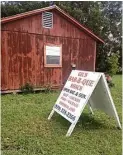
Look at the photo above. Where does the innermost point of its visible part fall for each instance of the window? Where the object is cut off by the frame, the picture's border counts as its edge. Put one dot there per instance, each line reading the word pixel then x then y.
pixel 52 55
pixel 47 19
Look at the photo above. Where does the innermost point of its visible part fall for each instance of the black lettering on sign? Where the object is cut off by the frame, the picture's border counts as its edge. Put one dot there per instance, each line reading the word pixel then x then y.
pixel 82 95
pixel 72 91
pixel 75 93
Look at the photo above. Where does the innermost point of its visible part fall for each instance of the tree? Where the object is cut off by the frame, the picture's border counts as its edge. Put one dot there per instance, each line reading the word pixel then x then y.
pixel 112 11
pixel 112 64
pixel 9 8
pixel 104 18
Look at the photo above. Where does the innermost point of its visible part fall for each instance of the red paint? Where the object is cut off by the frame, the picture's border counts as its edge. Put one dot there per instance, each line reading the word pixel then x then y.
pixel 23 42
pixel 52 8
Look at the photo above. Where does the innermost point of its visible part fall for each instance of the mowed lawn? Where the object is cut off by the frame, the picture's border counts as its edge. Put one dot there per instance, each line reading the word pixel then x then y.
pixel 26 130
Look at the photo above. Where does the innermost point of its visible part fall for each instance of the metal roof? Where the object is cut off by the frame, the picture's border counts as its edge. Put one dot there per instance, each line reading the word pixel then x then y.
pixel 54 7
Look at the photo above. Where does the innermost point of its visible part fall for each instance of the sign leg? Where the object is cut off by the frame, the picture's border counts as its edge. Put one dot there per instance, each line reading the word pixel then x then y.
pixel 70 130
pixel 51 114
pixel 113 106
pixel 89 105
pixel 91 110
pixel 117 121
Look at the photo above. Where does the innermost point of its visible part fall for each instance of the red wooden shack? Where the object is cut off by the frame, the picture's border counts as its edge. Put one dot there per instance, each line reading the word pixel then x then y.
pixel 42 46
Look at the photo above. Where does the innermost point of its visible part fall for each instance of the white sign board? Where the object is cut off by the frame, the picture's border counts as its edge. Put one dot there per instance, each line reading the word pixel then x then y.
pixel 75 94
pixel 80 90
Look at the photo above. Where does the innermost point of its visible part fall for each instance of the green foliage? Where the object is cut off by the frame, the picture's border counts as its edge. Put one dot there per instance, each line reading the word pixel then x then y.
pixel 26 130
pixel 109 80
pixel 112 64
pixel 111 84
pixel 27 88
pixel 9 8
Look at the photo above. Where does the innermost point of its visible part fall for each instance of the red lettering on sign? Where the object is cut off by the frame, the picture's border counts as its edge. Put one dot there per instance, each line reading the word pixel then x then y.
pixel 76 87
pixel 74 99
pixel 87 82
pixel 82 74
pixel 66 106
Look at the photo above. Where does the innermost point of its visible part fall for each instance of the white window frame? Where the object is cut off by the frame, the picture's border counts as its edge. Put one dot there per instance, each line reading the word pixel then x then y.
pixel 45 61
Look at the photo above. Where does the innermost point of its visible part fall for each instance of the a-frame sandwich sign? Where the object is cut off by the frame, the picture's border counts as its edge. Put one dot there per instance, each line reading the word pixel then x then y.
pixel 84 88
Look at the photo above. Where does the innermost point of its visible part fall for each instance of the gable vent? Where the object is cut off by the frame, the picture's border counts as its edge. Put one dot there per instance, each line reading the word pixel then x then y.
pixel 47 19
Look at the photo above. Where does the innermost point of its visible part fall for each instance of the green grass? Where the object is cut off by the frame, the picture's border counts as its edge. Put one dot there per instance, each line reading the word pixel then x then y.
pixel 26 130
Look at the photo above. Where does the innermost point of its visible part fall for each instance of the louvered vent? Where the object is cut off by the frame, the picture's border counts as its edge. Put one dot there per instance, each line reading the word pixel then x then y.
pixel 47 19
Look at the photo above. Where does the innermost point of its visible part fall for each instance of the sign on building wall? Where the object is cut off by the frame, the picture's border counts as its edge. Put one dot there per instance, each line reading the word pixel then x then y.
pixel 84 88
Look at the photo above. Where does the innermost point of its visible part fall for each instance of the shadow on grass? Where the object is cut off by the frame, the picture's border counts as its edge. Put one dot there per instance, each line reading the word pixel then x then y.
pixel 88 122
pixel 85 121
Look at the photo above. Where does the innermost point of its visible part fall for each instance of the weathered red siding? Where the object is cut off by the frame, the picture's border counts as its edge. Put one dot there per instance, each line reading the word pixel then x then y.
pixel 23 51
pixel 33 24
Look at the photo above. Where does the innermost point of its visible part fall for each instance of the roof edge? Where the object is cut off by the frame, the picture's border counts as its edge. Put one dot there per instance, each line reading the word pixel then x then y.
pixel 80 25
pixel 33 12
pixel 25 14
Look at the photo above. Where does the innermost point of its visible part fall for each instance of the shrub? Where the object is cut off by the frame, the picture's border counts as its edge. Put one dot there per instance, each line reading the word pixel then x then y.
pixel 109 80
pixel 112 64
pixel 27 88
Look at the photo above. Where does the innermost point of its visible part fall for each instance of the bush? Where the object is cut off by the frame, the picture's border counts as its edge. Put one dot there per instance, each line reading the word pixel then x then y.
pixel 109 80
pixel 27 88
pixel 112 64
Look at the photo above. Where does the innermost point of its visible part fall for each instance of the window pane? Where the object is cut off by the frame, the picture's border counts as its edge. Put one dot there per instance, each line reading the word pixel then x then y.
pixel 53 50
pixel 53 54
pixel 52 59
